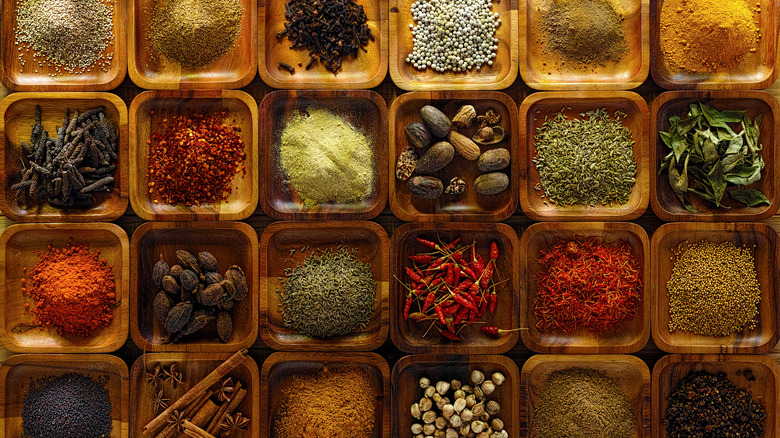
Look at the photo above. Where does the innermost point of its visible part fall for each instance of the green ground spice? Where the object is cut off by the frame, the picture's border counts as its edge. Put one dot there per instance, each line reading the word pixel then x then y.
pixel 325 158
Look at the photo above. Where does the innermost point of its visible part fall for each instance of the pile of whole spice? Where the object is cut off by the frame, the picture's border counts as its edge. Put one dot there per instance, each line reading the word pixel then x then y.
pixel 325 158
pixel 707 36
pixel 470 412
pixel 72 290
pixel 194 294
pixel 713 289
pixel 67 406
pixel 582 403
pixel 587 284
pixel 68 170
pixel 588 161
pixel 194 159
pixel 69 35
pixel 335 402
pixel 330 293
pixel 194 33
pixel 710 405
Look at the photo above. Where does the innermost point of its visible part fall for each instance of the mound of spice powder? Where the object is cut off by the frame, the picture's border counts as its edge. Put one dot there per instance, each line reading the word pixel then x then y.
pixel 587 284
pixel 72 288
pixel 194 160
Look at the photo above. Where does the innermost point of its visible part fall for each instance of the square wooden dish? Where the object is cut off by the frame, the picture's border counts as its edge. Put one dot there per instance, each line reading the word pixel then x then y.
pixel 533 111
pixel 469 206
pixel 150 110
pixel 280 249
pixel 19 244
pixel 631 337
pixel 279 368
pixel 763 239
pixel 18 372
pixel 35 77
pixel 670 369
pixel 676 103
pixel 235 69
pixel 194 367
pixel 231 243
pixel 363 109
pixel 408 371
pixel 367 70
pixel 500 75
pixel 17 115
pixel 757 70
pixel 544 71
pixel 630 371
pixel 407 335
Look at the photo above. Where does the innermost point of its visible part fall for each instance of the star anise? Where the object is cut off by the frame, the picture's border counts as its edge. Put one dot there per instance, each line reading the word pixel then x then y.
pixel 232 424
pixel 155 377
pixel 159 402
pixel 178 419
pixel 173 374
pixel 225 390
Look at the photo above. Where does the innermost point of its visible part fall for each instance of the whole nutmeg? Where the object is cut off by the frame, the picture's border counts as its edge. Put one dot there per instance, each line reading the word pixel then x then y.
pixel 497 378
pixel 417 428
pixel 441 423
pixel 492 407
pixel 459 405
pixel 477 426
pixel 442 387
pixel 497 424
pixel 464 116
pixel 459 394
pixel 425 382
pixel 478 409
pixel 455 385
pixel 456 421
pixel 471 400
pixel 416 413
pixel 429 417
pixel 477 377
pixel 435 120
pixel 429 391
pixel 425 404
pixel 417 135
pixel 467 415
pixel 429 429
pixel 447 410
pixel 488 387
pixel 450 433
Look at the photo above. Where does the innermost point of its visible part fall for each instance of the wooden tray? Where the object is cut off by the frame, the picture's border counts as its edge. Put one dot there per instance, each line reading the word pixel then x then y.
pixel 541 71
pixel 756 71
pixel 17 115
pixel 242 202
pixel 232 243
pixel 764 239
pixel 17 372
pixel 365 110
pixel 235 69
pixel 277 244
pixel 675 103
pixel 470 206
pixel 19 243
pixel 669 370
pixel 500 75
pixel 31 78
pixel 632 337
pixel 279 367
pixel 366 71
pixel 533 205
pixel 407 334
pixel 408 371
pixel 194 367
pixel 630 371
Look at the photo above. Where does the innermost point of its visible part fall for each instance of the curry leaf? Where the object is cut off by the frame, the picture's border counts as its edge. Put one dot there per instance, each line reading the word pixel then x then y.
pixel 749 197
pixel 717 181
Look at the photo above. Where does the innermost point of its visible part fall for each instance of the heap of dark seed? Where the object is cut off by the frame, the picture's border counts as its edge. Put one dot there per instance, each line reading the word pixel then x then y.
pixel 66 406
pixel 69 169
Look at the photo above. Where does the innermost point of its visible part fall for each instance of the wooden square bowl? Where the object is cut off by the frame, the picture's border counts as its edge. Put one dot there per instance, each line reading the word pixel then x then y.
pixel 194 367
pixel 630 371
pixel 631 337
pixel 500 75
pixel 17 115
pixel 670 369
pixel 19 244
pixel 469 206
pixel 280 249
pixel 533 111
pixel 280 368
pixel 148 112
pixel 763 239
pixel 363 109
pixel 235 69
pixel 676 103
pixel 757 70
pixel 543 70
pixel 408 371
pixel 18 372
pixel 407 335
pixel 231 243
pixel 367 70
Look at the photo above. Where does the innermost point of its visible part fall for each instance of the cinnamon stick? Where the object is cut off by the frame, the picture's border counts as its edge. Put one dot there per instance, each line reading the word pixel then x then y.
pixel 218 416
pixel 190 410
pixel 191 427
pixel 232 406
pixel 205 414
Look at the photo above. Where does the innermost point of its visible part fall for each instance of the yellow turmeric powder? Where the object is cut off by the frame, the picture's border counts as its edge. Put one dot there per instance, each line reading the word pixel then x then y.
pixel 707 36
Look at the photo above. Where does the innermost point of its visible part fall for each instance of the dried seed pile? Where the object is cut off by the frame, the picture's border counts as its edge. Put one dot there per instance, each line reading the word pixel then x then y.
pixel 70 35
pixel 67 406
pixel 713 289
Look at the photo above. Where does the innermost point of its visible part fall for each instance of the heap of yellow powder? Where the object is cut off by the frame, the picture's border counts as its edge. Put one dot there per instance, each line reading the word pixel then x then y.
pixel 707 36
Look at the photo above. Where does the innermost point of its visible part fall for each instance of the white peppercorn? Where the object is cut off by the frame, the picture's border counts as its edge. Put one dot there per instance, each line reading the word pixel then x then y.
pixel 459 404
pixel 478 409
pixel 492 407
pixel 429 417
pixel 425 404
pixel 425 382
pixel 416 413
pixel 438 433
pixel 447 410
pixel 441 423
pixel 430 391
pixel 471 400
pixel 483 434
pixel 478 391
pixel 442 387
pixel 467 389
pixel 455 385
pixel 488 387
pixel 497 378
pixel 467 415
pixel 497 424
pixel 451 433
pixel 465 429
pixel 417 428
pixel 429 429
pixel 442 401
pixel 477 426
pixel 458 394
pixel 477 377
